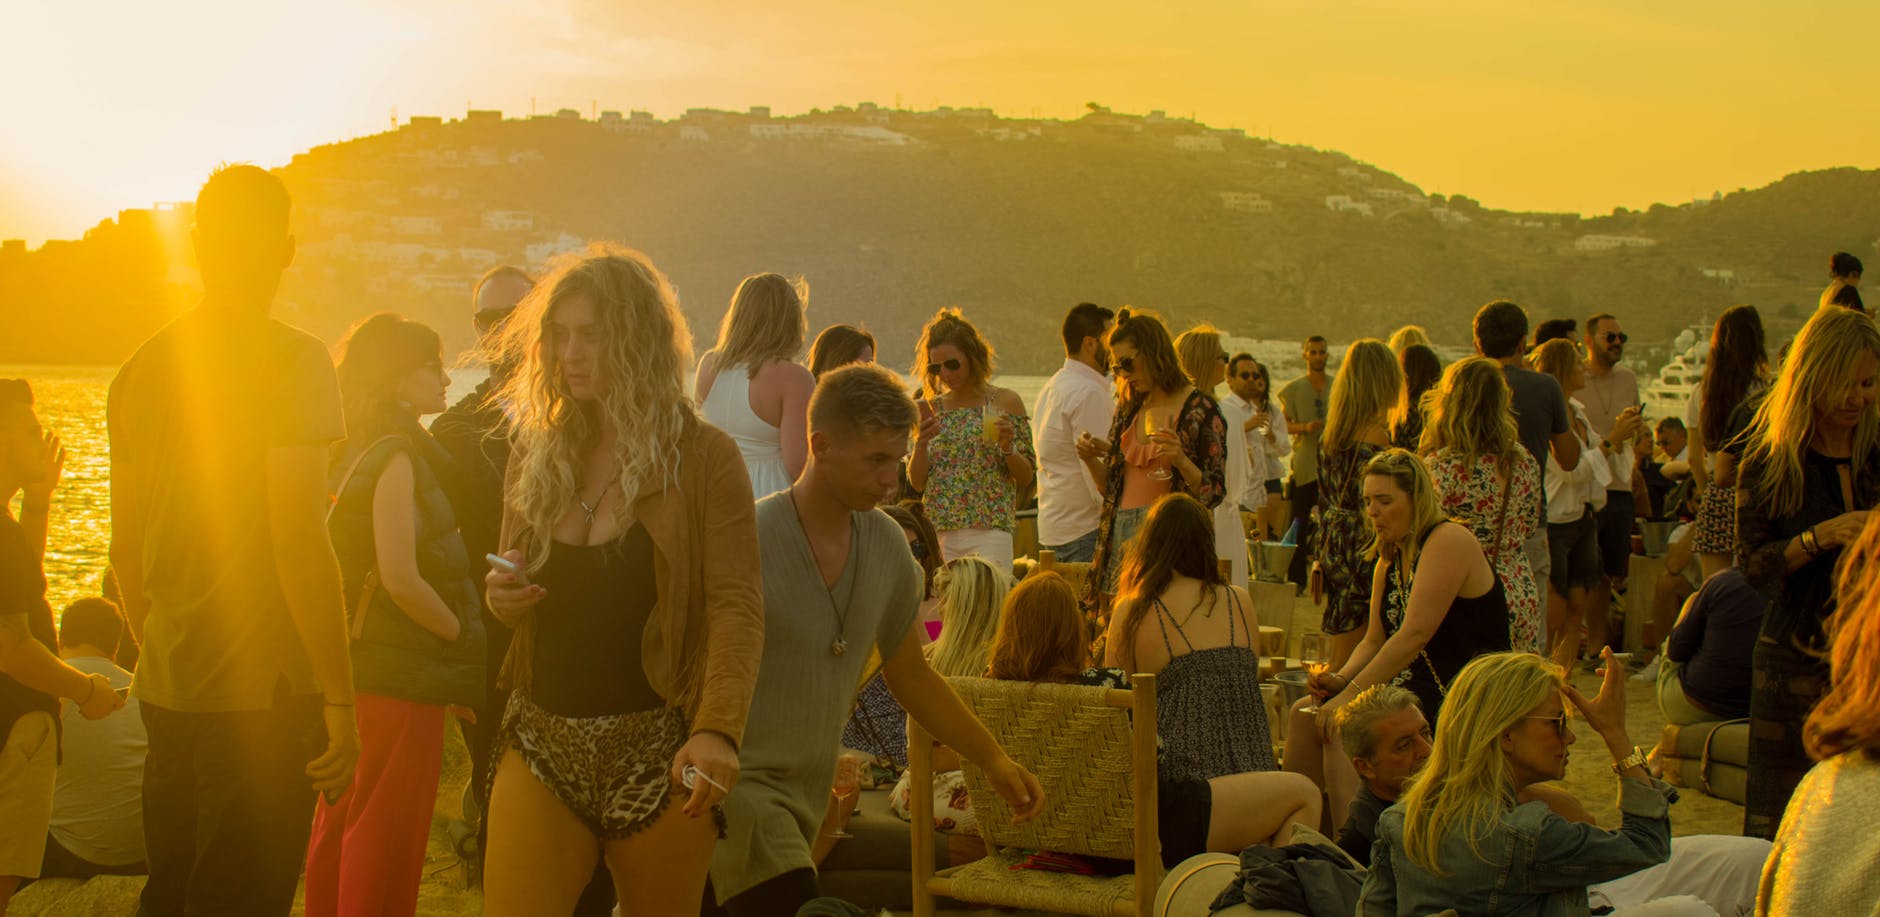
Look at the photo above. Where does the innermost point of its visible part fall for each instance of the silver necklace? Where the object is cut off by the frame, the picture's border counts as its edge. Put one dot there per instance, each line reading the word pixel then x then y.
pixel 840 644
pixel 598 498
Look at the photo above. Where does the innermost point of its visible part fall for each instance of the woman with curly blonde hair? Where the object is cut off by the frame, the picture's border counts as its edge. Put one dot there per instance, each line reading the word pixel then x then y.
pixel 1809 479
pixel 750 385
pixel 973 453
pixel 635 600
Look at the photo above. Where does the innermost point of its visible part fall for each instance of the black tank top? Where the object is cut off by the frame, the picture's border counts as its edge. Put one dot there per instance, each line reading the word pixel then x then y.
pixel 1472 626
pixel 588 628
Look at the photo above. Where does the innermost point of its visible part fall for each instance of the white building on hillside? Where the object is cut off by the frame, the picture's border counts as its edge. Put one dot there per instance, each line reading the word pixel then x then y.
pixel 1608 243
pixel 1200 143
pixel 1343 203
pixel 1245 201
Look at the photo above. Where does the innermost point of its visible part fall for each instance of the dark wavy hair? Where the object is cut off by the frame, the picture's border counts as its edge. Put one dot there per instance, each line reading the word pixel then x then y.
pixel 379 351
pixel 1145 332
pixel 1177 537
pixel 1738 360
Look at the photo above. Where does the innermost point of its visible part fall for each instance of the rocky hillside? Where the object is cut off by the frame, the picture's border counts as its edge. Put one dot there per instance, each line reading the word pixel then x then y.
pixel 892 214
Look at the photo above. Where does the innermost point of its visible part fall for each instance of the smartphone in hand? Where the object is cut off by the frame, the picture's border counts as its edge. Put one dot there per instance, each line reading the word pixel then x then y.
pixel 499 562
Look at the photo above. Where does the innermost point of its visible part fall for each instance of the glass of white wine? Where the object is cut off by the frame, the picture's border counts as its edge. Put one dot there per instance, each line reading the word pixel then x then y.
pixel 1155 425
pixel 1313 657
pixel 848 782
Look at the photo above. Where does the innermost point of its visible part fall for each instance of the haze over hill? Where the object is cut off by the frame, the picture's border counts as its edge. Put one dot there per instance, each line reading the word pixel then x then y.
pixel 892 214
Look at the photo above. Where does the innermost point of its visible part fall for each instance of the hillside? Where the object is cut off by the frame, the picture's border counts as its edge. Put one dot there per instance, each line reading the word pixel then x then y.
pixel 892 214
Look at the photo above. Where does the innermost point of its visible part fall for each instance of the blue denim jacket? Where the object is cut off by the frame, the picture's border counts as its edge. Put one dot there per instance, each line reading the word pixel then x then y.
pixel 1538 864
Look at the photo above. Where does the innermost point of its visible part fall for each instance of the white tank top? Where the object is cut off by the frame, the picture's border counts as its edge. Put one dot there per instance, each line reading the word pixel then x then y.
pixel 728 407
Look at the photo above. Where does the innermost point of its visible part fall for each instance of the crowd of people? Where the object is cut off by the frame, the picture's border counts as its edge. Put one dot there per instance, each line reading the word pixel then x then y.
pixel 661 597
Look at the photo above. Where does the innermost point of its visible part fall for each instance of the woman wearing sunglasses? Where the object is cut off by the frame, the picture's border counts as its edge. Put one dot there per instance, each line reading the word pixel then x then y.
pixel 972 453
pixel 1167 437
pixel 1456 838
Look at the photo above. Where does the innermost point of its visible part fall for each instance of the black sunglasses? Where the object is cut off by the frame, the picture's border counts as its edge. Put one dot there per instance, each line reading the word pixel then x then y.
pixel 1246 376
pixel 1619 337
pixel 952 366
pixel 1560 723
pixel 1126 364
pixel 919 548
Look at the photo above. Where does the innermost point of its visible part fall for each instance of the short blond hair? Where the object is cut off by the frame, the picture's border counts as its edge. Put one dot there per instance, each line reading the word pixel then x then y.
pixel 1357 718
pixel 858 399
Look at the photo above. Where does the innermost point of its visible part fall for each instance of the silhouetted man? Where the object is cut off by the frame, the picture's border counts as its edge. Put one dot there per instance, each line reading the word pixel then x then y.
pixel 220 427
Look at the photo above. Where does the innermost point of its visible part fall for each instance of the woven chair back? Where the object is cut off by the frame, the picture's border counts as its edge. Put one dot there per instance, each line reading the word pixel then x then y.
pixel 1076 740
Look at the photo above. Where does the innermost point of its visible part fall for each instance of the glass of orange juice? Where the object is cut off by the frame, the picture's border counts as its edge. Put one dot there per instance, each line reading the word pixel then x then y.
pixel 989 415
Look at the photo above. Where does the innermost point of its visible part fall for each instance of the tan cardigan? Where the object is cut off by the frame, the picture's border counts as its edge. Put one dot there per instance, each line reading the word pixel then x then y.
pixel 705 634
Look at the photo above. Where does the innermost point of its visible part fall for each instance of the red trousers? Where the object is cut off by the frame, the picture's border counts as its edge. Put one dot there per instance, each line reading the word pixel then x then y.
pixel 366 855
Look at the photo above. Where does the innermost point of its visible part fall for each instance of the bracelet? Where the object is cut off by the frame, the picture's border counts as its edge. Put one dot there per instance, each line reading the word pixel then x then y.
pixel 1811 543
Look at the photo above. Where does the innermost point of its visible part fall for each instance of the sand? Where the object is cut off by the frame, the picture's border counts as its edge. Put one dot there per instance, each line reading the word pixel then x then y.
pixel 1589 777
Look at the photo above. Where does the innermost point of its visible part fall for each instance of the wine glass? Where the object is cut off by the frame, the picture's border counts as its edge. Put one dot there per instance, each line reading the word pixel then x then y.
pixel 848 782
pixel 1314 658
pixel 1155 426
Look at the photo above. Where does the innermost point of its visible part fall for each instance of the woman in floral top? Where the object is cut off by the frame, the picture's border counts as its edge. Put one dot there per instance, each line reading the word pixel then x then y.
pixel 1166 437
pixel 1368 385
pixel 1469 439
pixel 973 451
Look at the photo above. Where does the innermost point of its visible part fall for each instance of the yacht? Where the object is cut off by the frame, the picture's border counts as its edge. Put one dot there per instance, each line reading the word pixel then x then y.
pixel 1670 393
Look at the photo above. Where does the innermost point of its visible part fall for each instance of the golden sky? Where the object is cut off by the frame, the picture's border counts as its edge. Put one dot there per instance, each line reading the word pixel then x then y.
pixel 1579 106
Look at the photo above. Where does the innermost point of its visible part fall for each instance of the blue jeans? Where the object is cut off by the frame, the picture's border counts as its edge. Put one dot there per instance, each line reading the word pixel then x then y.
pixel 1079 550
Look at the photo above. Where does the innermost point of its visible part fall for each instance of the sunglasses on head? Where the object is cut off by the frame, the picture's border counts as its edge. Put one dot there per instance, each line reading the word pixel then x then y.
pixel 952 366
pixel 1560 723
pixel 1615 337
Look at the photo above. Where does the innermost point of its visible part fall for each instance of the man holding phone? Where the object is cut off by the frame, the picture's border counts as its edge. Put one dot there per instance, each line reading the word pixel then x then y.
pixel 1613 411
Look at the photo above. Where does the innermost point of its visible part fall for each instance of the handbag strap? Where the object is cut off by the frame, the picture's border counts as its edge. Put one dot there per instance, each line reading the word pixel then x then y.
pixel 339 489
pixel 1501 519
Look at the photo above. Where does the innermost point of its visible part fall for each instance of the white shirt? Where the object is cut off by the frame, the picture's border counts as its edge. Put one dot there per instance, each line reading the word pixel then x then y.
pixel 1568 492
pixel 1269 454
pixel 1245 452
pixel 97 805
pixel 1077 400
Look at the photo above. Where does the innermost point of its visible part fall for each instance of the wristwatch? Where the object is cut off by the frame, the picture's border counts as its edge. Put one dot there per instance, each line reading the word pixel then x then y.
pixel 1637 758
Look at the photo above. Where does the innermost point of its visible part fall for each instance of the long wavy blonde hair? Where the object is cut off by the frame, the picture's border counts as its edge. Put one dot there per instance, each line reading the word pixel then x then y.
pixel 1472 415
pixel 639 379
pixel 950 326
pixel 1467 784
pixel 1368 385
pixel 1816 377
pixel 1199 349
pixel 972 591
pixel 766 322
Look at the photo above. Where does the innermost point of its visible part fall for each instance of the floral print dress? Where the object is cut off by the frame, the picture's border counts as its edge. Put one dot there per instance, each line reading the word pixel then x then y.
pixel 1342 536
pixel 967 487
pixel 1471 494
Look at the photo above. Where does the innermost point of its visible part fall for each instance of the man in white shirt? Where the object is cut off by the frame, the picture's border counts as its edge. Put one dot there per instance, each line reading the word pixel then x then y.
pixel 1078 400
pixel 1256 428
pixel 97 806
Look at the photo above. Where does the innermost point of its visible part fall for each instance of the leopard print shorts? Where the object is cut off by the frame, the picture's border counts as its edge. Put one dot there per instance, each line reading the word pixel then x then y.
pixel 614 772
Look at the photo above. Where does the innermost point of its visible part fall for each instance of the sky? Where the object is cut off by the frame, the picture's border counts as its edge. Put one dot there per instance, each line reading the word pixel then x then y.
pixel 1581 106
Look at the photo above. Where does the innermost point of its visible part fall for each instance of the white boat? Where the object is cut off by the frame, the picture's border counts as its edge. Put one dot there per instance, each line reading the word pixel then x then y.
pixel 1670 393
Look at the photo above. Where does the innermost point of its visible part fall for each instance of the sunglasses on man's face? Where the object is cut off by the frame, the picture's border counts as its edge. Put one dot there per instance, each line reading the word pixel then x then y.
pixel 952 366
pixel 1244 377
pixel 1615 337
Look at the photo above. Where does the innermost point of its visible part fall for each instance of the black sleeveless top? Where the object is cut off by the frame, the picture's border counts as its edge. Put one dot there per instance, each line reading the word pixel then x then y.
pixel 1470 628
pixel 589 628
pixel 1209 711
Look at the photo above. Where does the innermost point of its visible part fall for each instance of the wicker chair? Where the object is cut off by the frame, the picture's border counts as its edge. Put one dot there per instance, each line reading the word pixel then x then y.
pixel 1093 750
pixel 1077 573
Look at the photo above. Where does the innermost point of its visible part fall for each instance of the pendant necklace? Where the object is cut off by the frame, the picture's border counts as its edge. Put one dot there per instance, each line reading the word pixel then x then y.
pixel 590 510
pixel 840 644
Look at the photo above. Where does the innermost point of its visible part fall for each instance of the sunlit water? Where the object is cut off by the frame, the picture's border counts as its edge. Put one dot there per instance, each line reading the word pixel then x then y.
pixel 70 401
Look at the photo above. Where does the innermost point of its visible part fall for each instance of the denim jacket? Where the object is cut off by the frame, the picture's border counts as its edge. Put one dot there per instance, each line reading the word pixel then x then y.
pixel 1538 864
